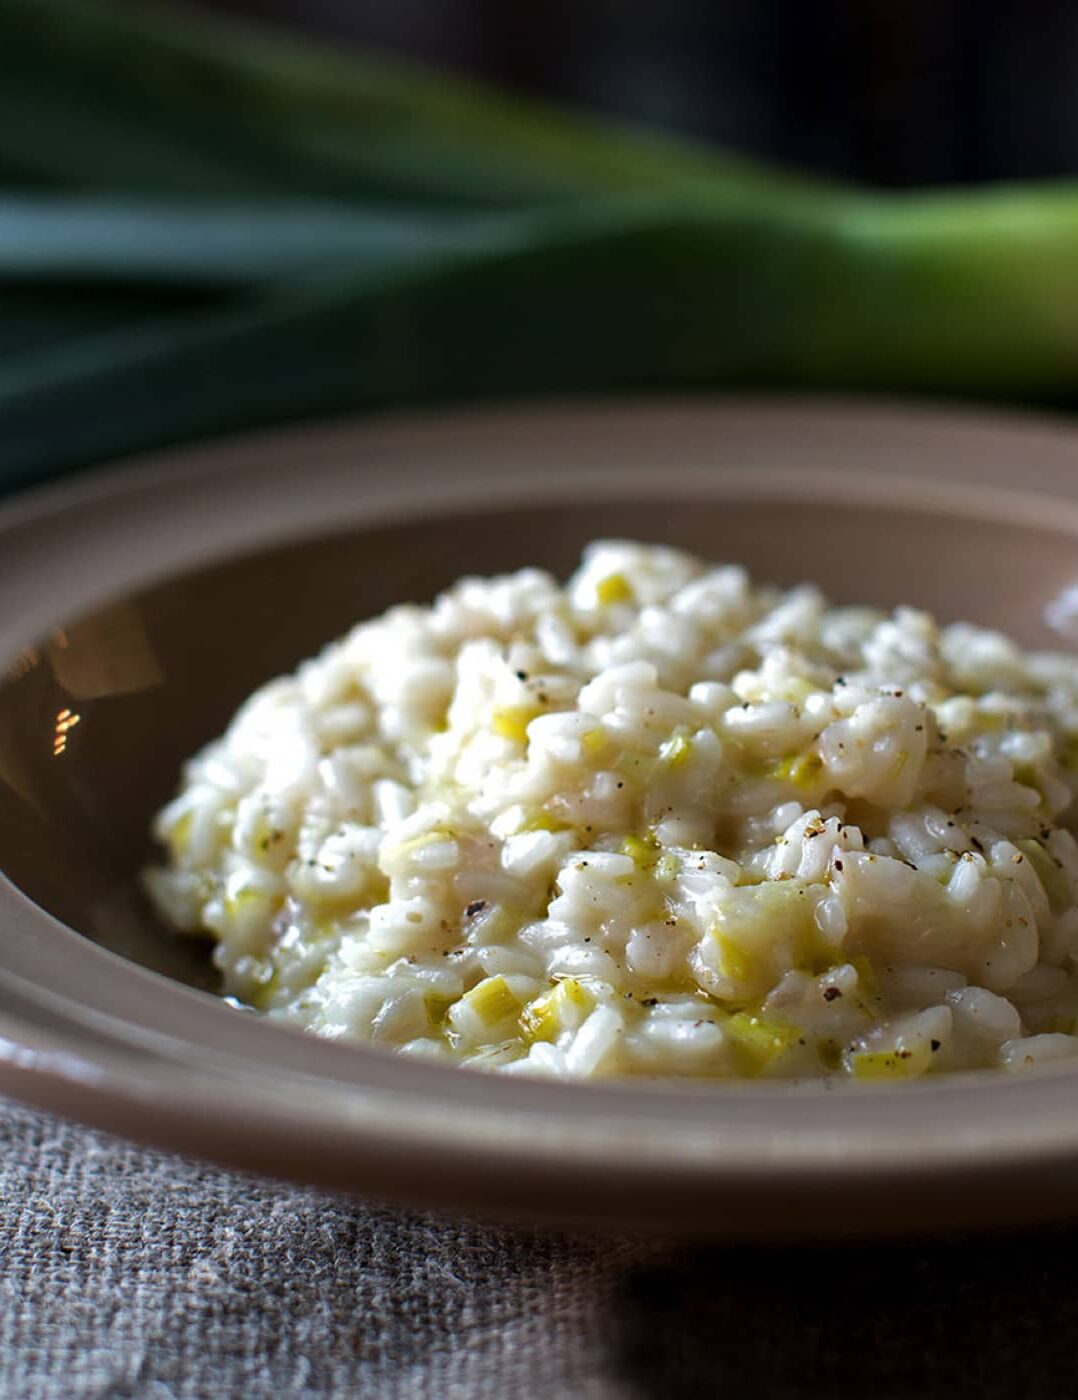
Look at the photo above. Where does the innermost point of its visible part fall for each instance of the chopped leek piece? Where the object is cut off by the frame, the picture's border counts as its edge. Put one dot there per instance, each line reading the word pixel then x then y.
pixel 437 1005
pixel 771 924
pixel 676 751
pixel 883 1064
pixel 244 900
pixel 417 843
pixel 758 1041
pixel 541 820
pixel 511 722
pixel 736 963
pixel 179 838
pixel 563 1008
pixel 644 851
pixel 262 994
pixel 492 1000
pixel 615 588
pixel 667 867
pixel 802 770
pixel 796 689
pixel 595 741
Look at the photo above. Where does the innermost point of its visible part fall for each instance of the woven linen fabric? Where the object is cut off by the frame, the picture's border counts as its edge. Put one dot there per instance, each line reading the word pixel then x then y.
pixel 129 1273
pixel 125 1272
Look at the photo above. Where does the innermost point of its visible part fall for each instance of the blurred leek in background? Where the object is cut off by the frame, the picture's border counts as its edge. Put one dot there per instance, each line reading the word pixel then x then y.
pixel 203 229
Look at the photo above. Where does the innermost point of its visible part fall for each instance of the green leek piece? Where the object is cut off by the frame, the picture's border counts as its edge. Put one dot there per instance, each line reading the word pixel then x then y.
pixel 492 1000
pixel 884 1064
pixel 759 1041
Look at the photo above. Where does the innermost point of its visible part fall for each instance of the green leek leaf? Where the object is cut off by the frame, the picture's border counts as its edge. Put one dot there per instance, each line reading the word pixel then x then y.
pixel 204 228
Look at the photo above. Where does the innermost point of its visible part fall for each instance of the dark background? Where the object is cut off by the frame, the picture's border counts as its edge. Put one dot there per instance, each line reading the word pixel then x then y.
pixel 894 92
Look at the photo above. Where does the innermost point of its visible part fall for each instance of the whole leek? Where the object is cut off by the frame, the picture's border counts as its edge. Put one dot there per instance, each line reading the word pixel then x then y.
pixel 203 229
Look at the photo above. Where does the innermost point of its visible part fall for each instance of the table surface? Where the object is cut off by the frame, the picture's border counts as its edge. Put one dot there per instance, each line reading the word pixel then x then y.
pixel 129 1273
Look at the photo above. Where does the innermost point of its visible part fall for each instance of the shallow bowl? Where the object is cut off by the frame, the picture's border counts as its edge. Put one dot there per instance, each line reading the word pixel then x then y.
pixel 139 606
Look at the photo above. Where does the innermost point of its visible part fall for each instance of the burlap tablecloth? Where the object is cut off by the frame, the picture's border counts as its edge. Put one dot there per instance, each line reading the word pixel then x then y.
pixel 129 1273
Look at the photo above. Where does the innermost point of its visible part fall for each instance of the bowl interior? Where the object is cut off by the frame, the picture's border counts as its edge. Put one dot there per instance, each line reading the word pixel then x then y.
pixel 97 718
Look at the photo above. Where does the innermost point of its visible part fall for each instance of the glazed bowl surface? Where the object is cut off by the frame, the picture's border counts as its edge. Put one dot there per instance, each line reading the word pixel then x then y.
pixel 139 606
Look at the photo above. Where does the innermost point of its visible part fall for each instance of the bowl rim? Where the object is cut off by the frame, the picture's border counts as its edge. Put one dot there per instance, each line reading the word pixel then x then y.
pixel 88 1034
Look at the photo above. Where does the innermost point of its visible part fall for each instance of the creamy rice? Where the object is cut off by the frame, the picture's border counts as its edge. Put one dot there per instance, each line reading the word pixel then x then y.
pixel 655 821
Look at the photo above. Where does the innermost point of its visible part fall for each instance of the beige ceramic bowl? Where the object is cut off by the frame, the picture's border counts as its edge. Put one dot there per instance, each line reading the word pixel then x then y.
pixel 149 601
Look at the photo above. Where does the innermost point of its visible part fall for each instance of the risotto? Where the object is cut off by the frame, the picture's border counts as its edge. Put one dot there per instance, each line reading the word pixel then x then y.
pixel 654 821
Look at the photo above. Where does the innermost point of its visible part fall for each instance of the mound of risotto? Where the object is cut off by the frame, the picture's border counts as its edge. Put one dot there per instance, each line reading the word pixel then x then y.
pixel 656 821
